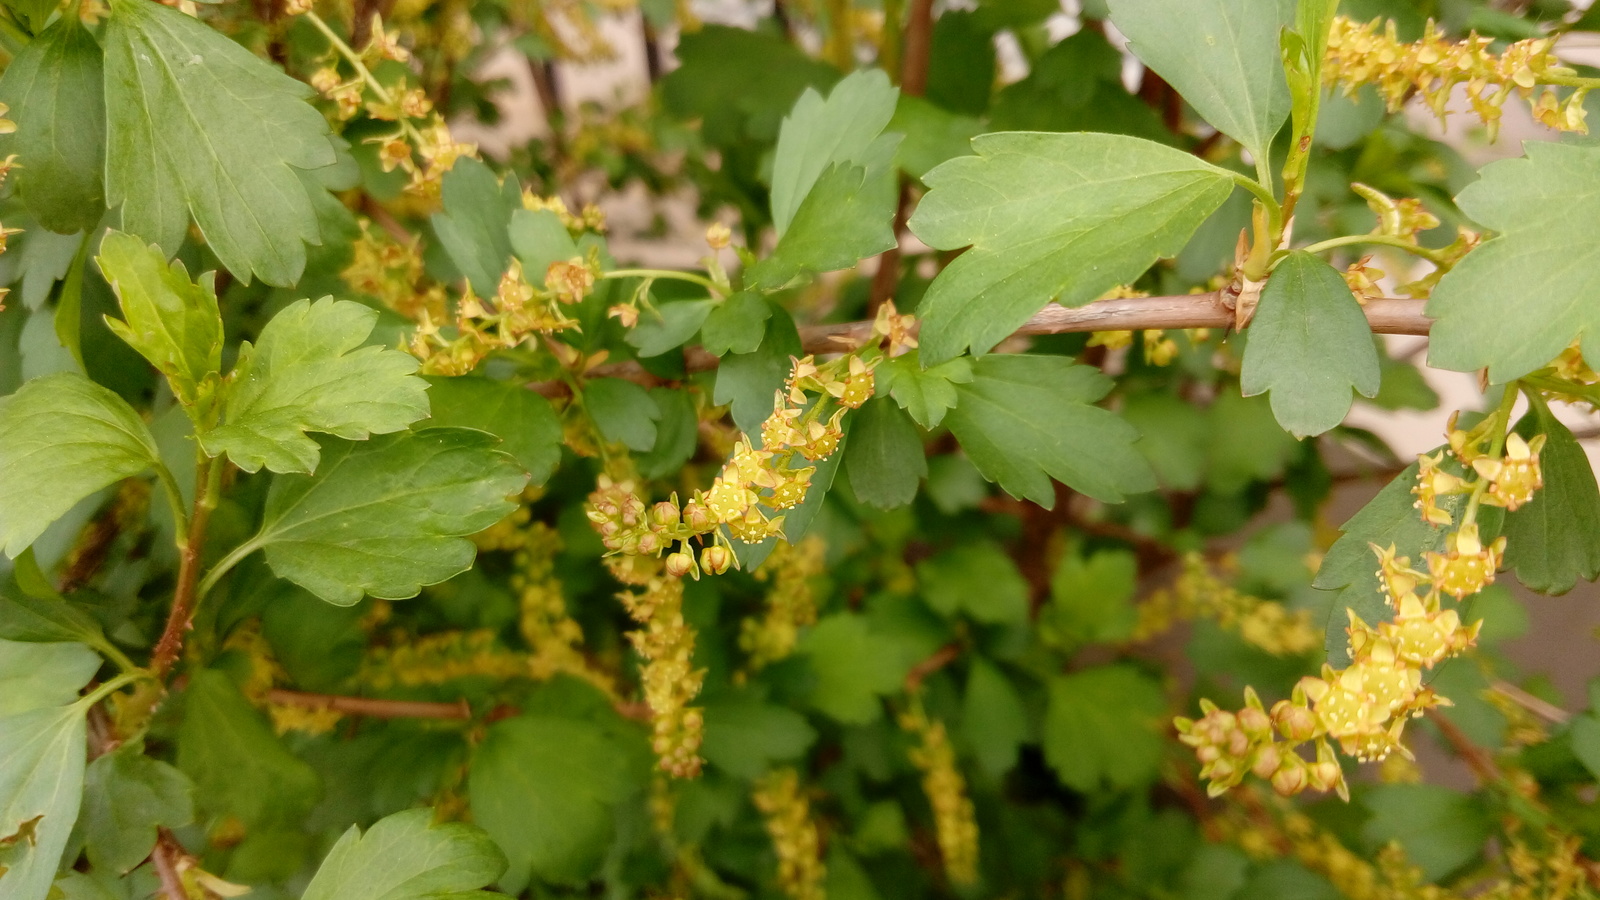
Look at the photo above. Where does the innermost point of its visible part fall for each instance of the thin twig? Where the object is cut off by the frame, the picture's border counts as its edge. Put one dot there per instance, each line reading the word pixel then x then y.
pixel 371 706
pixel 1549 712
pixel 165 857
pixel 942 657
pixel 1476 758
pixel 189 559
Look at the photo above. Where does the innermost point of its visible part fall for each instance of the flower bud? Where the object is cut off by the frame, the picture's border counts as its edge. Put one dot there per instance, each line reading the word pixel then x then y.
pixel 697 517
pixel 649 543
pixel 1256 723
pixel 1268 760
pixel 664 515
pixel 1295 723
pixel 1290 779
pixel 679 564
pixel 716 559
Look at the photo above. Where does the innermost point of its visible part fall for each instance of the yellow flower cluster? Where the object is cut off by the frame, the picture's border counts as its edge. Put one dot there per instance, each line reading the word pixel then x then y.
pixel 955 821
pixel 520 310
pixel 791 603
pixel 1364 707
pixel 1390 875
pixel 1558 871
pixel 1434 66
pixel 754 482
pixel 1200 593
pixel 666 642
pixel 382 267
pixel 441 658
pixel 794 835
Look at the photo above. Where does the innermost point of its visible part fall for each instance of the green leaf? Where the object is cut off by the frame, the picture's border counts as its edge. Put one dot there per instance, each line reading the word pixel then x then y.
pixel 740 83
pixel 1091 599
pixel 1554 539
pixel 46 620
pixel 745 736
pixel 312 370
pixel 736 325
pixel 1440 829
pixel 1584 734
pixel 545 789
pixel 198 125
pixel 976 578
pixel 666 326
pixel 1100 727
pixel 1173 437
pixel 932 134
pixel 538 238
pixel 819 133
pixel 1350 567
pixel 1221 55
pixel 42 755
pixel 961 62
pixel 847 217
pixel 993 721
pixel 1076 85
pixel 851 669
pixel 885 460
pixel 1050 216
pixel 60 141
pixel 385 517
pixel 1520 298
pixel 1244 444
pixel 749 381
pixel 1024 420
pixel 33 676
pixel 677 434
pixel 472 227
pixel 624 412
pixel 1309 345
pixel 522 419
pixel 63 437
pixel 407 857
pixel 239 767
pixel 127 796
pixel 173 322
pixel 927 394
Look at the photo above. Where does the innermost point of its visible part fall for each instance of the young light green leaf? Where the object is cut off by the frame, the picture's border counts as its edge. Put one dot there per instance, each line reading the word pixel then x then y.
pixel 852 672
pixel 745 736
pixel 976 578
pixel 545 788
pixel 312 371
pixel 1100 727
pixel 927 394
pixel 173 322
pixel 1554 540
pixel 238 765
pixel 623 411
pixel 1309 345
pixel 994 722
pixel 736 325
pixel 749 381
pixel 1091 599
pixel 60 142
pixel 34 676
pixel 42 756
pixel 407 857
pixel 521 418
pixel 667 326
pixel 885 460
pixel 1024 420
pixel 1221 55
pixel 126 797
pixel 847 217
pixel 818 133
pixel 472 228
pixel 199 125
pixel 386 516
pixel 63 437
pixel 1517 301
pixel 1050 216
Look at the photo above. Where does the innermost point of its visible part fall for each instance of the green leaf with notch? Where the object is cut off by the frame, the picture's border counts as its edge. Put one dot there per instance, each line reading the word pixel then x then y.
pixel 1050 216
pixel 1518 300
pixel 847 217
pixel 1554 539
pixel 819 133
pixel 1100 727
pixel 34 676
pixel 60 141
pixel 239 767
pixel 198 125
pixel 47 619
pixel 1024 420
pixel 736 325
pixel 927 394
pixel 852 671
pixel 977 578
pixel 406 856
pixel 127 796
pixel 666 326
pixel 624 412
pixel 63 437
pixel 745 735
pixel 173 322
pixel 473 226
pixel 1221 55
pixel 386 516
pixel 1309 345
pixel 312 370
pixel 42 757
pixel 521 418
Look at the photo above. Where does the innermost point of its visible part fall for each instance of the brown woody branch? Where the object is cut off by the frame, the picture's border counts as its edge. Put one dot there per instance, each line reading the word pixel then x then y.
pixel 1386 315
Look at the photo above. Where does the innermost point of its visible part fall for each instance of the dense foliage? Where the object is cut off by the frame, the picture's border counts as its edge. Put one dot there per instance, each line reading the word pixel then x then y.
pixel 374 528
